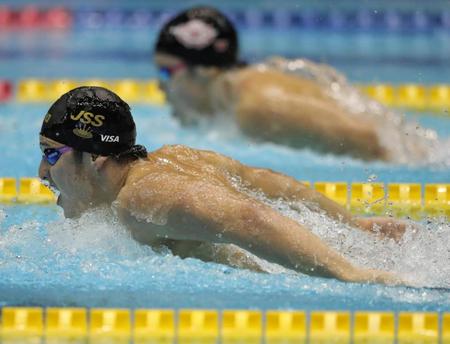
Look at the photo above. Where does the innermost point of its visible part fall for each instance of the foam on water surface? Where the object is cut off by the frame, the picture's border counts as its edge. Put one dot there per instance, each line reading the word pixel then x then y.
pixel 420 257
pixel 93 261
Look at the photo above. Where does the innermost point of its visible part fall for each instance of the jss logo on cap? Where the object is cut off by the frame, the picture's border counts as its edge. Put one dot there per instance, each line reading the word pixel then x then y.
pixel 88 118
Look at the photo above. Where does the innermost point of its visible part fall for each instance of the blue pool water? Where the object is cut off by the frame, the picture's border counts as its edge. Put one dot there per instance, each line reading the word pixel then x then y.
pixel 363 56
pixel 47 261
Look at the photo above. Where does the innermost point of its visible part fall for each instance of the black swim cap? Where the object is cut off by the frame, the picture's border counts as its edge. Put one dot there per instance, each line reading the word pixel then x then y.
pixel 200 36
pixel 93 120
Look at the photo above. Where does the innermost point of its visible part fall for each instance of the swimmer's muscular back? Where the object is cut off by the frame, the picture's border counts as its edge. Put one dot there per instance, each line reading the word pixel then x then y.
pixel 157 185
pixel 184 164
pixel 184 194
pixel 296 111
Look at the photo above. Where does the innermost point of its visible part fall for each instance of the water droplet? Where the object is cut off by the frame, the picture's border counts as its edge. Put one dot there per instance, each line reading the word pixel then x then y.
pixel 372 178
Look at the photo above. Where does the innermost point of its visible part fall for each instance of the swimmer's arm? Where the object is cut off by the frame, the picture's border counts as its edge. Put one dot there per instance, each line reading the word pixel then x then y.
pixel 273 112
pixel 215 214
pixel 276 185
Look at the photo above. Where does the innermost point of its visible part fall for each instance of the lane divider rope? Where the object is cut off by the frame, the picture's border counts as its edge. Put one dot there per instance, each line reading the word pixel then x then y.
pixel 32 18
pixel 434 98
pixel 229 326
pixel 363 19
pixel 396 199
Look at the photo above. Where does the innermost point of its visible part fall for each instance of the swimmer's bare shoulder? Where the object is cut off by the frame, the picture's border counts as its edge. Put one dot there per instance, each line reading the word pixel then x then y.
pixel 153 181
pixel 160 183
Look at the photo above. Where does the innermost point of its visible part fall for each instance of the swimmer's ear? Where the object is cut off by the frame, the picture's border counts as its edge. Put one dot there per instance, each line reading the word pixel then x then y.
pixel 98 161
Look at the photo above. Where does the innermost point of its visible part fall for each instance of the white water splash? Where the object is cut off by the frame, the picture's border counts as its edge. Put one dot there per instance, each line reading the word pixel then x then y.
pixel 93 261
pixel 422 256
pixel 97 229
pixel 2 215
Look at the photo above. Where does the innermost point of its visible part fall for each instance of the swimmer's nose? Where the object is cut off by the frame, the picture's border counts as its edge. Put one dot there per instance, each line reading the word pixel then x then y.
pixel 43 169
pixel 163 85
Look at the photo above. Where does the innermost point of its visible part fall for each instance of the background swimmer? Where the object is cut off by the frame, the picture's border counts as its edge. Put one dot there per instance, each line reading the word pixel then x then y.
pixel 297 103
pixel 186 199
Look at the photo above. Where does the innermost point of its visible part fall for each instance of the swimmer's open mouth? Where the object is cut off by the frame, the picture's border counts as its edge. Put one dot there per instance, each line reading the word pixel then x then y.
pixel 49 183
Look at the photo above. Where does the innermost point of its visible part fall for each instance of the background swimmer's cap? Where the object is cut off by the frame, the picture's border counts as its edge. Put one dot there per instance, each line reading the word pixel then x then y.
pixel 200 36
pixel 93 120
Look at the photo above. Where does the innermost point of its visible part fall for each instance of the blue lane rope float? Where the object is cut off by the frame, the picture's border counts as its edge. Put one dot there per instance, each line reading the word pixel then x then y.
pixel 343 19
pixel 363 19
pixel 431 98
pixel 397 199
pixel 227 326
pixel 366 19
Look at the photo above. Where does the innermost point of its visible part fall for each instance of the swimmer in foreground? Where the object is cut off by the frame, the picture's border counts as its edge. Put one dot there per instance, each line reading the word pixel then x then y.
pixel 298 103
pixel 187 199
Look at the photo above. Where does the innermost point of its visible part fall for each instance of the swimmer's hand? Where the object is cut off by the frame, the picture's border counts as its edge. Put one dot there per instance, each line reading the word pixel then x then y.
pixel 385 226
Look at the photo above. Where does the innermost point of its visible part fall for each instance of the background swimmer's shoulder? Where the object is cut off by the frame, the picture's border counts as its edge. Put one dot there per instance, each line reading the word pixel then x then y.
pixel 259 77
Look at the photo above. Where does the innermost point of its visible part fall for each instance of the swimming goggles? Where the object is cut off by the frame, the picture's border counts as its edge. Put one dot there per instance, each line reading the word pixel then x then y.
pixel 52 155
pixel 166 72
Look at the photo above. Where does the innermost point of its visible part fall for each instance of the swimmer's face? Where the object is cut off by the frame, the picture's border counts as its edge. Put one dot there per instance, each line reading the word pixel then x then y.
pixel 169 67
pixel 69 176
pixel 187 88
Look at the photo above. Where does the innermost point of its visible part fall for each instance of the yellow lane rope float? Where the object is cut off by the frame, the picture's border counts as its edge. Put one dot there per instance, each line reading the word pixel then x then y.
pixel 228 326
pixel 433 98
pixel 398 199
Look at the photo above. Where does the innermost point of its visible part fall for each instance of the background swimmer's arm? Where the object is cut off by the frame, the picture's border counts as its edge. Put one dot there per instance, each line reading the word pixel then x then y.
pixel 217 214
pixel 281 109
